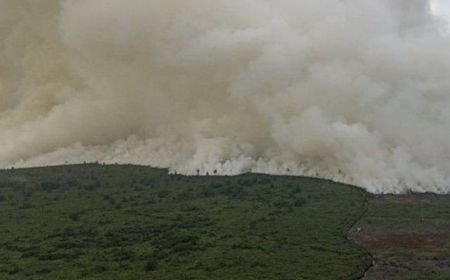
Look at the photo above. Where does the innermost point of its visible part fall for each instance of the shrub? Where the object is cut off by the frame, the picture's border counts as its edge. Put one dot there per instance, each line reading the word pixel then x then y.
pixel 299 202
pixel 49 186
pixel 151 265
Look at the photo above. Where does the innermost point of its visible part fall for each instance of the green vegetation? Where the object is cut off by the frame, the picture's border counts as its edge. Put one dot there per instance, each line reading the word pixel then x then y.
pixel 126 222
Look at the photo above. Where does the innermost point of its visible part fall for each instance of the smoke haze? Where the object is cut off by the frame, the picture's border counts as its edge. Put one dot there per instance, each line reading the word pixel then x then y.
pixel 355 91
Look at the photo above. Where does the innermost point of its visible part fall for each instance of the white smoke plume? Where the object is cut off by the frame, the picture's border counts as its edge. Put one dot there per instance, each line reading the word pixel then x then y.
pixel 353 90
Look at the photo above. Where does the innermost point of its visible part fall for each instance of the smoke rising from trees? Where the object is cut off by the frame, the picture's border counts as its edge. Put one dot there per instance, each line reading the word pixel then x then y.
pixel 355 91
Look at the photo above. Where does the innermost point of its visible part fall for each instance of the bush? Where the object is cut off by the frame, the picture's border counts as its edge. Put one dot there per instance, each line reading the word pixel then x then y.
pixel 13 270
pixel 248 182
pixel 151 265
pixel 75 216
pixel 91 186
pixel 296 189
pixel 43 271
pixel 49 186
pixel 299 202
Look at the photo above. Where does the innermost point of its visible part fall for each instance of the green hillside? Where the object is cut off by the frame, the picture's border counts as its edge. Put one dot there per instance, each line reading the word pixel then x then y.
pixel 127 222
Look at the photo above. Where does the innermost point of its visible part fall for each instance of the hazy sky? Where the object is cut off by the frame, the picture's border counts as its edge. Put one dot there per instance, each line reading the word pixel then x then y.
pixel 442 9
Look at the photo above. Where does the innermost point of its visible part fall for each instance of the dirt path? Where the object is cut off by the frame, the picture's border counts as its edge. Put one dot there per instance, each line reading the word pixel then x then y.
pixel 358 246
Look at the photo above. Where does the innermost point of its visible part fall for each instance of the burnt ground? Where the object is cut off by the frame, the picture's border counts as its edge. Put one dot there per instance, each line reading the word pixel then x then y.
pixel 408 236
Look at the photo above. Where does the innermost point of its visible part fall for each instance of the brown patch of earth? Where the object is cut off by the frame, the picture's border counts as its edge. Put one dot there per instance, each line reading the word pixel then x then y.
pixel 406 248
pixel 375 241
pixel 402 268
pixel 413 199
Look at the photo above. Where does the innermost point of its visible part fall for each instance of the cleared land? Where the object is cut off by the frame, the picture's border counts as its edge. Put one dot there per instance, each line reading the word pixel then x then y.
pixel 408 236
pixel 128 222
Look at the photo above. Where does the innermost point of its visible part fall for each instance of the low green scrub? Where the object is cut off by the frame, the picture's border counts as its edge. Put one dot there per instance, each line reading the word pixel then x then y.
pixel 127 222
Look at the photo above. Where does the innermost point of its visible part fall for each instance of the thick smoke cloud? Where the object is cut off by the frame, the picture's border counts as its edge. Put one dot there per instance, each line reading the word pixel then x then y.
pixel 355 91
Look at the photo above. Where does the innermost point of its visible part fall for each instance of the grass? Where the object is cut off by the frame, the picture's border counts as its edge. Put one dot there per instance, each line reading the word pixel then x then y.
pixel 127 222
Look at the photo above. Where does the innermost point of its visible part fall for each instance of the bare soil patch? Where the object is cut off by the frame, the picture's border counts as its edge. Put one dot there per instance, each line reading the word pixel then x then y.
pixel 411 246
pixel 375 241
